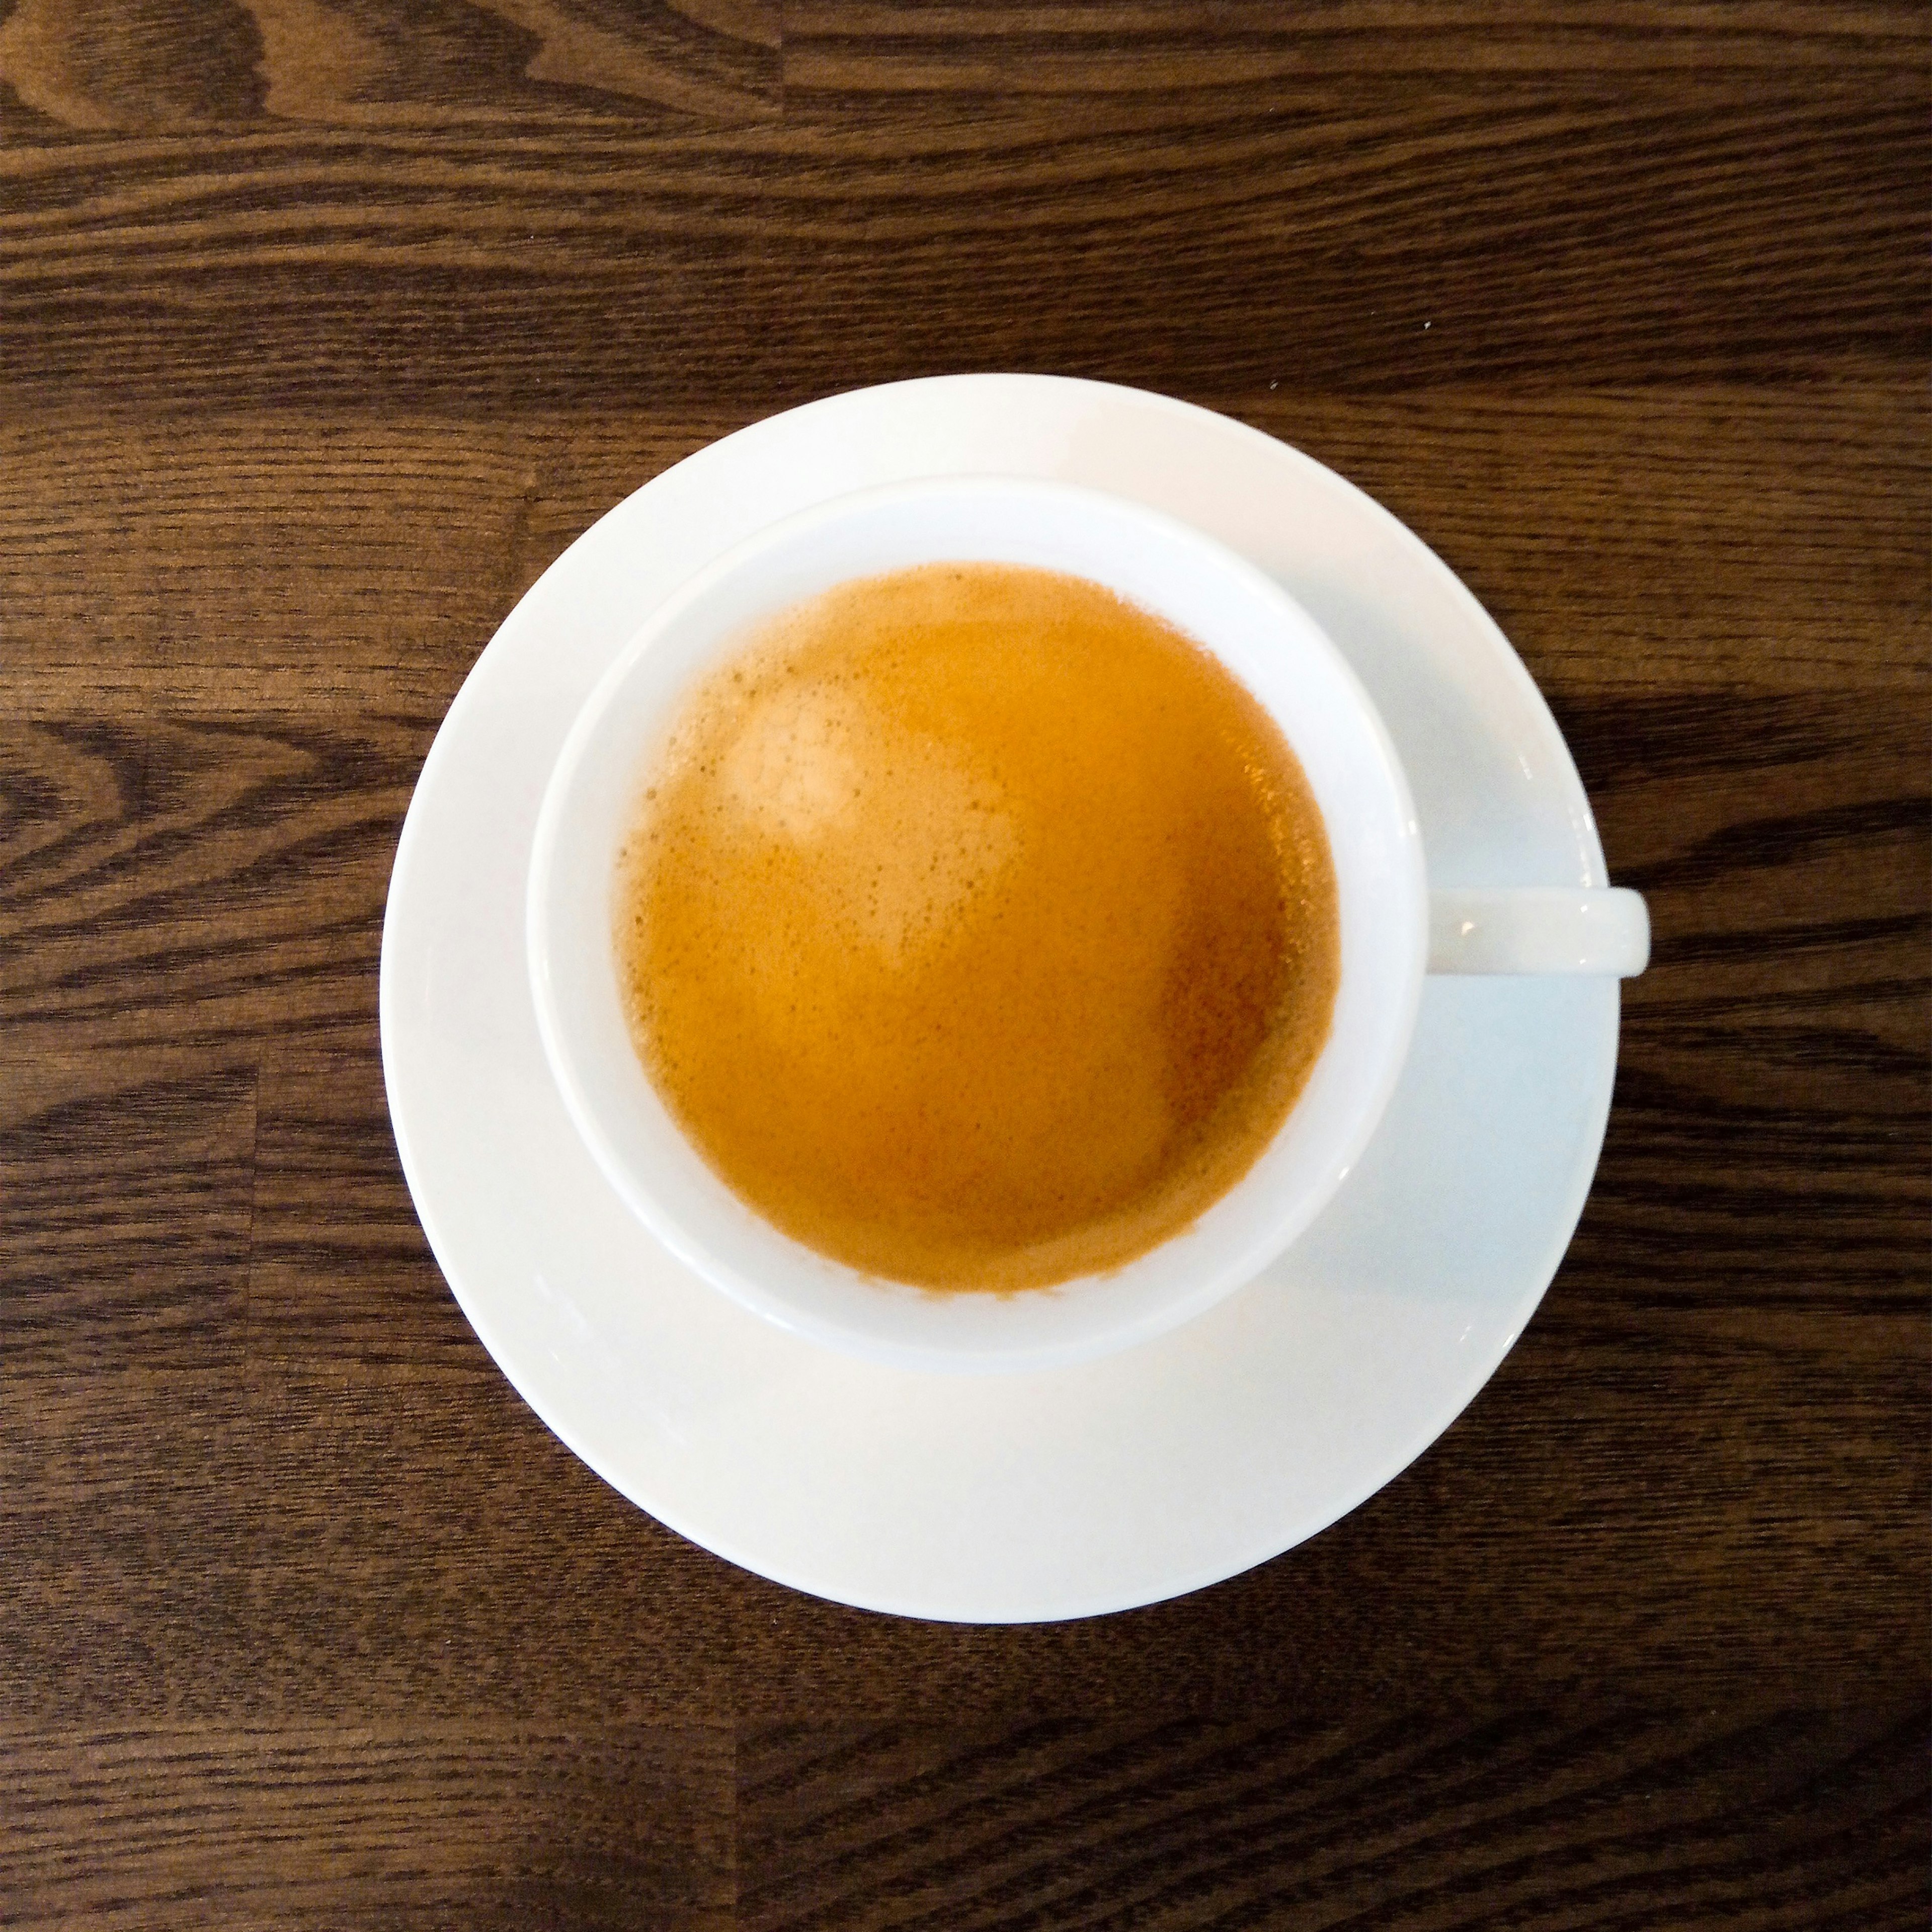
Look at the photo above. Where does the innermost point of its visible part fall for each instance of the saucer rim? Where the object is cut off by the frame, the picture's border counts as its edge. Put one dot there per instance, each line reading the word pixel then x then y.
pixel 1561 1218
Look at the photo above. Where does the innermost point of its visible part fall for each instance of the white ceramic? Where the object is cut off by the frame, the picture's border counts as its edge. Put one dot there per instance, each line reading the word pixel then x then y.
pixel 1049 1493
pixel 1538 929
pixel 1279 654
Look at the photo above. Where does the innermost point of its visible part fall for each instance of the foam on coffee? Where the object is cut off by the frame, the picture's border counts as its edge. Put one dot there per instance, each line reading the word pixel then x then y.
pixel 977 926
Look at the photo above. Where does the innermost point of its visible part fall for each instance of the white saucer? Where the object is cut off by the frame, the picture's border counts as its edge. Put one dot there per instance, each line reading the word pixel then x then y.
pixel 1077 1491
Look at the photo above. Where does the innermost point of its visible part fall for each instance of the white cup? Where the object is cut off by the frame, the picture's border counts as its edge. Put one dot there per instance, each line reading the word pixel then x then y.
pixel 1391 929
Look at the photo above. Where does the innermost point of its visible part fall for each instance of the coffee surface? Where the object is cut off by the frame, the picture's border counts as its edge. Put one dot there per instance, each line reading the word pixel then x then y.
pixel 976 927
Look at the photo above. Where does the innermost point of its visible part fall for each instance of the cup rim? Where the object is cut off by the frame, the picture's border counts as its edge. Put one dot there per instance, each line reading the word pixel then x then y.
pixel 1107 1331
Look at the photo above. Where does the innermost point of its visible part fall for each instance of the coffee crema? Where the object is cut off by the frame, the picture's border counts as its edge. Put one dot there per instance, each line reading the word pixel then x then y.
pixel 977 926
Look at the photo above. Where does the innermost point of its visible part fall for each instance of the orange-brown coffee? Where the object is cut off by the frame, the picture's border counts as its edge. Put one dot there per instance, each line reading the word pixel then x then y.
pixel 977 926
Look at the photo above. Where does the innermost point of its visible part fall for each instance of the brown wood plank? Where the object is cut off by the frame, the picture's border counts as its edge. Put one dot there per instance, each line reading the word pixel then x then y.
pixel 86 65
pixel 1765 1164
pixel 440 1512
pixel 1080 48
pixel 248 900
pixel 339 1271
pixel 89 65
pixel 329 1824
pixel 1403 1821
pixel 1566 233
pixel 263 1545
pixel 1633 543
pixel 126 1185
pixel 1645 542
pixel 126 1502
pixel 93 65
pixel 257 542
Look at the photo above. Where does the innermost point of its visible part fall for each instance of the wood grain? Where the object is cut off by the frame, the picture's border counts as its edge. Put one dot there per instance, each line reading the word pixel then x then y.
pixel 332 1825
pixel 338 1267
pixel 1553 233
pixel 1404 1821
pixel 1107 47
pixel 1685 538
pixel 246 896
pixel 127 1187
pixel 151 65
pixel 324 326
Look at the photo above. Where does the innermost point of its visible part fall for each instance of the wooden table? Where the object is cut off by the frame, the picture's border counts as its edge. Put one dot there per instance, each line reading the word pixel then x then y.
pixel 324 325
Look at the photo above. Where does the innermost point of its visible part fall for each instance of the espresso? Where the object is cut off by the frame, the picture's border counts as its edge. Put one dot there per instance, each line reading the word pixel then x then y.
pixel 977 927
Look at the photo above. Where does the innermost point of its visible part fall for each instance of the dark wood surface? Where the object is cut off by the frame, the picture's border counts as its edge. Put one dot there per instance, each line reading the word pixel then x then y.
pixel 324 324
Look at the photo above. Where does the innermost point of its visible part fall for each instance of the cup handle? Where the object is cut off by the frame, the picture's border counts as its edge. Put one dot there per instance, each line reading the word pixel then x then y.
pixel 1539 929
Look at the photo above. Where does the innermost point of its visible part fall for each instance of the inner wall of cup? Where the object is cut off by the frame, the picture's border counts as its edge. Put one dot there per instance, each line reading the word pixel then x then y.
pixel 1275 651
